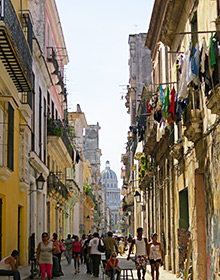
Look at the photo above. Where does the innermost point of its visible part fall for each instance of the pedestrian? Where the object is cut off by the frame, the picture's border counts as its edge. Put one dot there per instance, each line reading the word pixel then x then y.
pixel 121 246
pixel 9 266
pixel 45 256
pixel 57 251
pixel 86 251
pixel 68 243
pixel 76 249
pixel 83 239
pixel 94 253
pixel 112 267
pixel 110 245
pixel 155 255
pixel 129 240
pixel 141 252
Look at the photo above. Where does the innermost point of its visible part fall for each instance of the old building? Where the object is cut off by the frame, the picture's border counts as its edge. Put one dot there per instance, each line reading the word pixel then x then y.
pixel 174 167
pixel 93 154
pixel 77 120
pixel 16 86
pixel 111 197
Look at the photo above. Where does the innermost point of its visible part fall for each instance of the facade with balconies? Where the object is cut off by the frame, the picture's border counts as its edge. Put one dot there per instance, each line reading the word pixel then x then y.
pixel 16 86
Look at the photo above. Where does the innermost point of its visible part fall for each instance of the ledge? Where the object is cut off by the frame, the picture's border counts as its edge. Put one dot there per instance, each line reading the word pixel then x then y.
pixel 5 173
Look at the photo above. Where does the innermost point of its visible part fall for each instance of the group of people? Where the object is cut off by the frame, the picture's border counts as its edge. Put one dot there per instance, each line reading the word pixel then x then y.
pixel 89 250
pixel 146 251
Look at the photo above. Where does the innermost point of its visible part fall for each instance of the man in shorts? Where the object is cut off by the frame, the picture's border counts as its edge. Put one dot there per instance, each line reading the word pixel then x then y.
pixel 141 253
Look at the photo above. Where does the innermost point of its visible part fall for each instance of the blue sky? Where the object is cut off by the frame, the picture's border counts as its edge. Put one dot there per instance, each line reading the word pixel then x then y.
pixel 96 35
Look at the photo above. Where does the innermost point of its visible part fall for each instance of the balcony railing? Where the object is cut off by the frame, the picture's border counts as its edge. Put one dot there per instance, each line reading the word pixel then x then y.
pixel 56 128
pixel 55 185
pixel 14 50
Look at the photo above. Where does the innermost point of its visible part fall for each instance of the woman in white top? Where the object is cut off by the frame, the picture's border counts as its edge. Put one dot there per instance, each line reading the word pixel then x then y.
pixel 9 265
pixel 155 255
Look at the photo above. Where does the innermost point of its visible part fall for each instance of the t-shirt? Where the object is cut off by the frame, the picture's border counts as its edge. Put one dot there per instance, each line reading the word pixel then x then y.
pixel 68 244
pixel 57 247
pixel 110 261
pixel 110 243
pixel 93 244
pixel 76 247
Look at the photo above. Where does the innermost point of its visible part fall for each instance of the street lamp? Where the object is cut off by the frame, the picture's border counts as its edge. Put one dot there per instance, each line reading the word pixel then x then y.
pixel 129 212
pixel 40 182
pixel 88 218
pixel 137 196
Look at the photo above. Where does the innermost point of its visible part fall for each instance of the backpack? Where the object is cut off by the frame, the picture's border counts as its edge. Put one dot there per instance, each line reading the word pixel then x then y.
pixel 101 248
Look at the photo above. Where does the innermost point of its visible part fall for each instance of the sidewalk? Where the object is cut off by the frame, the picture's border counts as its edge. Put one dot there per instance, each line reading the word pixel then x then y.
pixel 68 271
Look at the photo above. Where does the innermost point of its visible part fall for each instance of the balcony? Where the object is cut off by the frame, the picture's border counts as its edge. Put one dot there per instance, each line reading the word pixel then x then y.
pixel 146 179
pixel 15 52
pixel 56 128
pixel 52 60
pixel 213 100
pixel 193 118
pixel 176 151
pixel 55 186
pixel 150 136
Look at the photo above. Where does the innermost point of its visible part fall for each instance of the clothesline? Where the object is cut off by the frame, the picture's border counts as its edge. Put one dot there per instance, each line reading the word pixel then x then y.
pixel 193 32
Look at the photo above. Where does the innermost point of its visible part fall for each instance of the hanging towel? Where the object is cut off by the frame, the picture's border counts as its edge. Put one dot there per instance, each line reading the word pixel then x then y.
pixel 166 104
pixel 211 53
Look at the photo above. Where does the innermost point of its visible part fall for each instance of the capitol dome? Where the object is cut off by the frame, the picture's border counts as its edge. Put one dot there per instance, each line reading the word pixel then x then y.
pixel 108 173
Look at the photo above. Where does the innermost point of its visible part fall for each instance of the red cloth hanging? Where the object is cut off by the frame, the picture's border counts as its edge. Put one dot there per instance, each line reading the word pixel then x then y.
pixel 172 104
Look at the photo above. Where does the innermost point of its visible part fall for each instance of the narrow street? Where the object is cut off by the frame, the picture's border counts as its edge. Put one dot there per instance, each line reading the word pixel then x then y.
pixel 68 271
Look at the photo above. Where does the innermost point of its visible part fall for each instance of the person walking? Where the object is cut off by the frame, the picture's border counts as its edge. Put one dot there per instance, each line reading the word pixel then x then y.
pixel 76 253
pixel 112 267
pixel 94 253
pixel 155 255
pixel 57 251
pixel 68 244
pixel 86 251
pixel 121 246
pixel 9 266
pixel 141 252
pixel 83 239
pixel 110 245
pixel 45 256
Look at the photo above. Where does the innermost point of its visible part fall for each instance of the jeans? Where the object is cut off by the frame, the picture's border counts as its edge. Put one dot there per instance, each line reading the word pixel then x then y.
pixel 108 254
pixel 88 265
pixel 111 273
pixel 14 273
pixel 59 258
pixel 68 255
pixel 95 264
pixel 55 268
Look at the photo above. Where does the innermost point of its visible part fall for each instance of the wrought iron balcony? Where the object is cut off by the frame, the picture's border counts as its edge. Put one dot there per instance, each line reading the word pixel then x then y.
pixel 52 60
pixel 14 50
pixel 54 185
pixel 56 128
pixel 193 118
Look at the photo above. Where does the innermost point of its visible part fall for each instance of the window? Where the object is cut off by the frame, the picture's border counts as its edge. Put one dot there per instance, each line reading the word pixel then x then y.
pixel 33 116
pixel 3 116
pixel 48 104
pixel 40 122
pixel 52 110
pixel 10 154
pixel 45 130
pixel 218 7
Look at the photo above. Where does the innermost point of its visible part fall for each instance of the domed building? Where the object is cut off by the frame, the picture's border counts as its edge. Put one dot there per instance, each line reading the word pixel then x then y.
pixel 111 195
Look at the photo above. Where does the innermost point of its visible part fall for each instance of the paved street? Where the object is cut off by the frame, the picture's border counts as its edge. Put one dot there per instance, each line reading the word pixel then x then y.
pixel 69 272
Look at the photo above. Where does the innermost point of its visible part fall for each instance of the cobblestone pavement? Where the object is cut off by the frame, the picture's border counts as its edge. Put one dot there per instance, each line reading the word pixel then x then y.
pixel 68 271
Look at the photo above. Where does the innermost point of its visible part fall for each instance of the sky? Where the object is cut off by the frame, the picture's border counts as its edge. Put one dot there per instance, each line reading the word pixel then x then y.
pixel 96 36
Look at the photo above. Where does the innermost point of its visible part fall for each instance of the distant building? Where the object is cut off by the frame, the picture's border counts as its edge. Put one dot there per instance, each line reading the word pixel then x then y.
pixel 111 196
